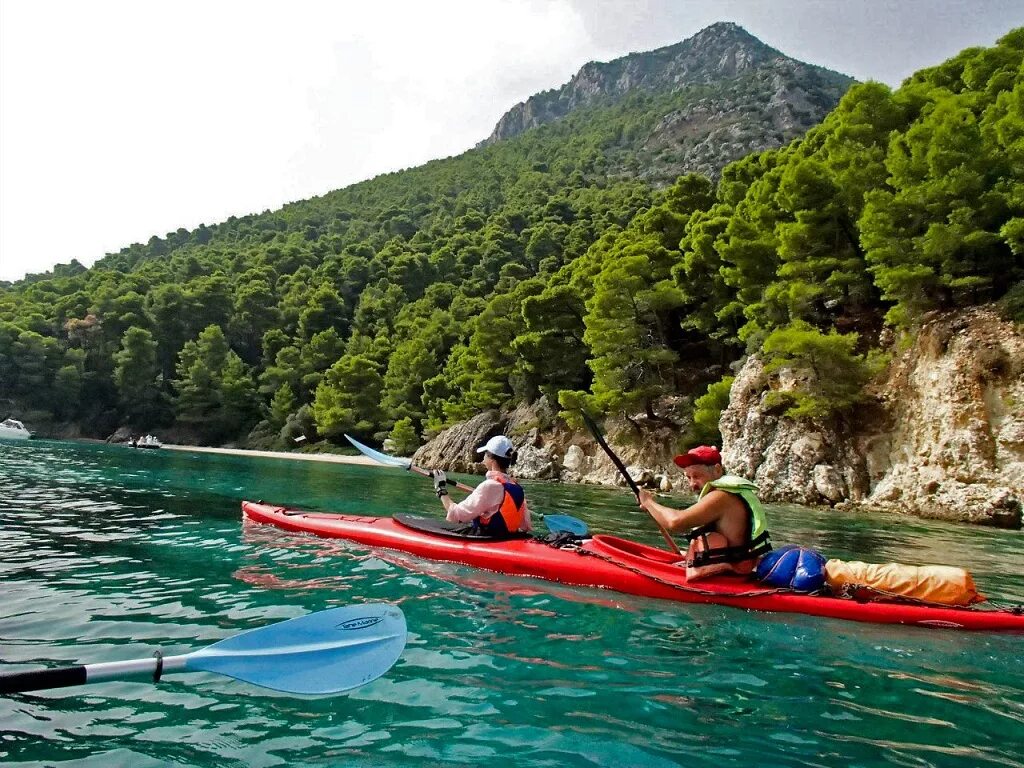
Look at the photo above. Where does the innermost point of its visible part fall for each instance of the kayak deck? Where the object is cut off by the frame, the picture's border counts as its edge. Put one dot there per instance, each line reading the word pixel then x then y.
pixel 608 562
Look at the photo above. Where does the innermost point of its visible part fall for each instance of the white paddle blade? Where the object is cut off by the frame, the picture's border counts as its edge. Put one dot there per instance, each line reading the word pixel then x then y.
pixel 383 458
pixel 317 654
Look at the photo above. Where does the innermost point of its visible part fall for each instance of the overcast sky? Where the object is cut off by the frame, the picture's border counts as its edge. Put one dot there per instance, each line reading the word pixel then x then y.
pixel 123 120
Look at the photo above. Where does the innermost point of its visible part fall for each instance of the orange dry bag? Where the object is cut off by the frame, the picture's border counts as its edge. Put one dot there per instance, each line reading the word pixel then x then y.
pixel 941 584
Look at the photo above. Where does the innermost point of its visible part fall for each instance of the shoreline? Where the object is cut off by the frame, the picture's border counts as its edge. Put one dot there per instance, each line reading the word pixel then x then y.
pixel 333 458
pixel 360 460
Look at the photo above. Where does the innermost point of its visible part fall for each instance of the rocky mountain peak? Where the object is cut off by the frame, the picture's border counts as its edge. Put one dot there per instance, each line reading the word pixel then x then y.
pixel 720 53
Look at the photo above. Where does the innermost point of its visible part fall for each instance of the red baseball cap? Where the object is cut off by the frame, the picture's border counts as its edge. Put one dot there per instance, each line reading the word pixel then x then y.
pixel 702 454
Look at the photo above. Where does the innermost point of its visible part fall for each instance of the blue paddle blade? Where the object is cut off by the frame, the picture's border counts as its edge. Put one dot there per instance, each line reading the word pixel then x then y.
pixel 320 653
pixel 383 458
pixel 566 524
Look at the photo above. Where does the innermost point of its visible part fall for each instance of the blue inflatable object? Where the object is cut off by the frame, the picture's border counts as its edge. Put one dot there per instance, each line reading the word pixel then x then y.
pixel 794 567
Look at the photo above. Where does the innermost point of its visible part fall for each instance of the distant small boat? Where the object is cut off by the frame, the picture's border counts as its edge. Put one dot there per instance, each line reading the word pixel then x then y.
pixel 12 429
pixel 149 441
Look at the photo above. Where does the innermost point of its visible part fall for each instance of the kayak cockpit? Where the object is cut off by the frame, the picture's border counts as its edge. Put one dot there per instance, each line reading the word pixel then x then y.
pixel 631 551
pixel 451 530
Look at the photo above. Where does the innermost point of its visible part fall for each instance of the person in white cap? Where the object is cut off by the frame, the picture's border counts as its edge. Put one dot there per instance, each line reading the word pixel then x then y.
pixel 498 505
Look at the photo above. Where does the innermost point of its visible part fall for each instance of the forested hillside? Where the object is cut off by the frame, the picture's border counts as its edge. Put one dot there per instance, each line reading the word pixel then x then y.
pixel 535 266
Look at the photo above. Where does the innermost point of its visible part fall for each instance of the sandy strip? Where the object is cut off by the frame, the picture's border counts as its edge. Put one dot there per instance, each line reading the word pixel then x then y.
pixel 329 457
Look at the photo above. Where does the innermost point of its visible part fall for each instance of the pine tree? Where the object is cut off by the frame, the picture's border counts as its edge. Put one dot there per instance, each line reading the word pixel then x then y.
pixel 137 377
pixel 348 398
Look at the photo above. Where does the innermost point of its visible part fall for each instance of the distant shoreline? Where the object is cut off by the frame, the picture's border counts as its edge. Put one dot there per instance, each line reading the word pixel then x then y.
pixel 334 458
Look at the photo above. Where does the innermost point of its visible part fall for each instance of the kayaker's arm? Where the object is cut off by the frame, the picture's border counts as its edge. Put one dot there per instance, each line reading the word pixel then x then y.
pixel 708 510
pixel 441 488
pixel 484 499
pixel 446 502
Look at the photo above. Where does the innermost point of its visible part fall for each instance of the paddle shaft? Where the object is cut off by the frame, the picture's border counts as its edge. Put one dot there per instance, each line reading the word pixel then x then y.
pixel 425 473
pixel 63 677
pixel 622 470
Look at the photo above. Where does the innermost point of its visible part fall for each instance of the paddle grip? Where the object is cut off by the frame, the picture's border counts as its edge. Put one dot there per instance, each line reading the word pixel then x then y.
pixel 16 682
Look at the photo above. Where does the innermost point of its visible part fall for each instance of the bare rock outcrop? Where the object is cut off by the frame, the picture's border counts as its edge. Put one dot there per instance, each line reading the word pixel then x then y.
pixel 548 449
pixel 794 461
pixel 946 440
pixel 454 448
pixel 956 401
pixel 121 435
pixel 727 95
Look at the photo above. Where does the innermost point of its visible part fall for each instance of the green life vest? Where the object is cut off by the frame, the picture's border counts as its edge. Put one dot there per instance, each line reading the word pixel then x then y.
pixel 747 491
pixel 757 543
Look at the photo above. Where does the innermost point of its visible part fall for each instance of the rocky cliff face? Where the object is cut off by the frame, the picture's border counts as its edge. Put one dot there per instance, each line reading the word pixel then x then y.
pixel 736 95
pixel 944 438
pixel 954 444
pixel 801 462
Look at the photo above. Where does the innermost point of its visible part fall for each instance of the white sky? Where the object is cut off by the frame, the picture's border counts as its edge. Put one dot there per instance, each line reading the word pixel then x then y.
pixel 123 119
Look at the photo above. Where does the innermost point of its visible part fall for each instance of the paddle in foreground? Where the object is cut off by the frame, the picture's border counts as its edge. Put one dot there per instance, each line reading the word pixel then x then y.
pixel 317 654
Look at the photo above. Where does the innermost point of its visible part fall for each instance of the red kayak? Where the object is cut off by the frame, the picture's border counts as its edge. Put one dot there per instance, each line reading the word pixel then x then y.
pixel 609 562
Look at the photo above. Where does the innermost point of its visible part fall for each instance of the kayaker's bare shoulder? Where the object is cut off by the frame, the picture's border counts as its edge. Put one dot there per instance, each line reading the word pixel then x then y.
pixel 727 523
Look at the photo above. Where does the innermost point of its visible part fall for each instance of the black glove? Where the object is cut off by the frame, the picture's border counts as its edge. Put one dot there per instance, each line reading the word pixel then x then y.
pixel 440 482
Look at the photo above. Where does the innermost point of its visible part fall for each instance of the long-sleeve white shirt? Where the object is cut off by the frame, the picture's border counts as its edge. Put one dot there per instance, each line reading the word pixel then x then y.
pixel 485 499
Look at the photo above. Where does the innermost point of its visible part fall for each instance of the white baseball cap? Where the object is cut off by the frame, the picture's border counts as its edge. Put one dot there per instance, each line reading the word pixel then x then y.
pixel 499 445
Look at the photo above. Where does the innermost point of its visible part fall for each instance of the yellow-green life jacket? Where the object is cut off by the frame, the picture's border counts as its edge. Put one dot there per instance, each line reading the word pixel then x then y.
pixel 747 491
pixel 757 543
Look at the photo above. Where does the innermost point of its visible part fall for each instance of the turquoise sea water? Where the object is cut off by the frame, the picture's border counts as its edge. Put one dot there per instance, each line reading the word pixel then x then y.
pixel 108 553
